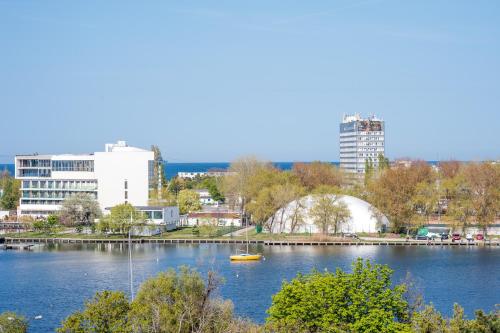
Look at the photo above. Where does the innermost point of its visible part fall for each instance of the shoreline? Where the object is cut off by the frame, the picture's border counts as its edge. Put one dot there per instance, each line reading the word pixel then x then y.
pixel 143 240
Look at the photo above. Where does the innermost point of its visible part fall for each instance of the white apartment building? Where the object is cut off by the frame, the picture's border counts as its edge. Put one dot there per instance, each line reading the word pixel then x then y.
pixel 117 175
pixel 361 139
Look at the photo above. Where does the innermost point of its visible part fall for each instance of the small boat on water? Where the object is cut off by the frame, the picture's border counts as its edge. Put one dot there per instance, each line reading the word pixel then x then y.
pixel 245 257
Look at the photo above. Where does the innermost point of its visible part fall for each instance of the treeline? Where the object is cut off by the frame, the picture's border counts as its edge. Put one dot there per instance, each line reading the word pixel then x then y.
pixel 364 300
pixel 409 195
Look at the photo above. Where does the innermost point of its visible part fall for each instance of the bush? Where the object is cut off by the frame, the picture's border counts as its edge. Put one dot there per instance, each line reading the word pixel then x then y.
pixel 12 323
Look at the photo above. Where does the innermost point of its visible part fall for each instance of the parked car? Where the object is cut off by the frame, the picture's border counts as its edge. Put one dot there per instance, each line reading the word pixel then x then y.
pixel 422 237
pixel 444 236
pixel 351 235
pixel 433 235
pixel 469 237
pixel 480 237
pixel 455 237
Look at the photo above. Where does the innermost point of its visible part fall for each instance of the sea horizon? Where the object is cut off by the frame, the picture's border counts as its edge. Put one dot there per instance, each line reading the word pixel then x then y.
pixel 172 168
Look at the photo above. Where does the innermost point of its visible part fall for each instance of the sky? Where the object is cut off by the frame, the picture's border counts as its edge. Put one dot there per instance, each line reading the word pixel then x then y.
pixel 211 81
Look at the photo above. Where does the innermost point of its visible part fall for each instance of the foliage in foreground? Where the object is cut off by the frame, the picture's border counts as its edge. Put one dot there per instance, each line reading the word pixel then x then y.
pixel 12 323
pixel 170 302
pixel 362 301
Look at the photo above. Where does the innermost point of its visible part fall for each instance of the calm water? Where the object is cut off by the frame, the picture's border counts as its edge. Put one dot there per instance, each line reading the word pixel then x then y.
pixel 53 281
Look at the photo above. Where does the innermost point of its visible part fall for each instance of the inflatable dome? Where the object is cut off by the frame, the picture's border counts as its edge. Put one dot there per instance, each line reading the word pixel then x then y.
pixel 295 217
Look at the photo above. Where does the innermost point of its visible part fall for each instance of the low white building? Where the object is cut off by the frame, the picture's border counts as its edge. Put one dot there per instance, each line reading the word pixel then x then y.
pixel 213 218
pixel 296 217
pixel 119 174
pixel 166 218
pixel 190 175
pixel 205 197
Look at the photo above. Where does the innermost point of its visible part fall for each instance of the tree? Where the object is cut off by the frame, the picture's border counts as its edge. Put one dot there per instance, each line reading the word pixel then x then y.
pixel 369 170
pixel 11 192
pixel 392 192
pixel 121 219
pixel 106 312
pixel 383 162
pixel 361 301
pixel 159 180
pixel 323 213
pixel 181 302
pixel 237 185
pixel 166 198
pixel 429 320
pixel 312 175
pixel 425 200
pixel 11 322
pixel 189 201
pixel 448 169
pixel 79 210
pixel 341 215
pixel 46 225
pixel 484 183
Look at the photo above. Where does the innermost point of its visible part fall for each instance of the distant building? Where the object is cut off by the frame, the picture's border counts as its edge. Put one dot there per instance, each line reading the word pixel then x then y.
pixel 209 173
pixel 361 140
pixel 205 197
pixel 119 174
pixel 213 218
pixel 166 218
pixel 190 175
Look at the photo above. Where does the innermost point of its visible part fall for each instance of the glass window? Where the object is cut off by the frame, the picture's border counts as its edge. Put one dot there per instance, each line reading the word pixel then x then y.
pixel 157 215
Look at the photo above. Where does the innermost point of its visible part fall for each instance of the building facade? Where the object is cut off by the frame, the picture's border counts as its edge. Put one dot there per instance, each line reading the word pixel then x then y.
pixel 117 175
pixel 361 140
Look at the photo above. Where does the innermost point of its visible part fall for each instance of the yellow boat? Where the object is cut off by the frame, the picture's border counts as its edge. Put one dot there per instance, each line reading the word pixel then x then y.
pixel 245 257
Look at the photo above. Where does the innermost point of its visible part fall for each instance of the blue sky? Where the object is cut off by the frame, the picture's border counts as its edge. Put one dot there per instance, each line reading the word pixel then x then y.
pixel 211 81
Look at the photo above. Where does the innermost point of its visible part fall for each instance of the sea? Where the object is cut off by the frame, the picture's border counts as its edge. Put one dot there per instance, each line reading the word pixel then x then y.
pixel 171 169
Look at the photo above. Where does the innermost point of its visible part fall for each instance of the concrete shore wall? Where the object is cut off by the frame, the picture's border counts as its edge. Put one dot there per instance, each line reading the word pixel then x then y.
pixel 239 241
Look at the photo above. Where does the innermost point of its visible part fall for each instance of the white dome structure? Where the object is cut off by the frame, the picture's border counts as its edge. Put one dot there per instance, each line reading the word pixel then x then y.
pixel 295 217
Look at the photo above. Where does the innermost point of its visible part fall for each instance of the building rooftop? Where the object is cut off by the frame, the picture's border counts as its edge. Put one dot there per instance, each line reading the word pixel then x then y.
pixel 357 117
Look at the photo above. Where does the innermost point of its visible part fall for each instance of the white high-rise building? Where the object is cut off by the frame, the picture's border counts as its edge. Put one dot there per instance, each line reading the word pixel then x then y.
pixel 361 139
pixel 117 175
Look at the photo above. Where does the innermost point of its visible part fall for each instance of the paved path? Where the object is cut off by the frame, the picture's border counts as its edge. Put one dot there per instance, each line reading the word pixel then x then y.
pixel 240 232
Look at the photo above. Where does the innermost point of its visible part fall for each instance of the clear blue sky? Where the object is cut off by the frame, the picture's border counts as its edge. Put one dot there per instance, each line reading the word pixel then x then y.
pixel 213 80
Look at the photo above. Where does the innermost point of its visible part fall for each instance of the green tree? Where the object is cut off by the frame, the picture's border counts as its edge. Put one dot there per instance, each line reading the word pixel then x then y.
pixel 383 162
pixel 324 212
pixel 425 201
pixel 11 192
pixel 239 186
pixel 121 219
pixel 11 322
pixel 79 210
pixel 159 181
pixel 361 301
pixel 189 201
pixel 182 302
pixel 106 312
pixel 429 320
pixel 369 170
pixel 46 225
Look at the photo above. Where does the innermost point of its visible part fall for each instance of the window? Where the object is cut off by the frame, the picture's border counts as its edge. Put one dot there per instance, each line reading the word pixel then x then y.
pixel 76 165
pixel 157 215
pixel 126 195
pixel 126 184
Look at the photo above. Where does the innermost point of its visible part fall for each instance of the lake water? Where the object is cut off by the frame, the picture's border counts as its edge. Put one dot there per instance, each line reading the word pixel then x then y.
pixel 54 280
